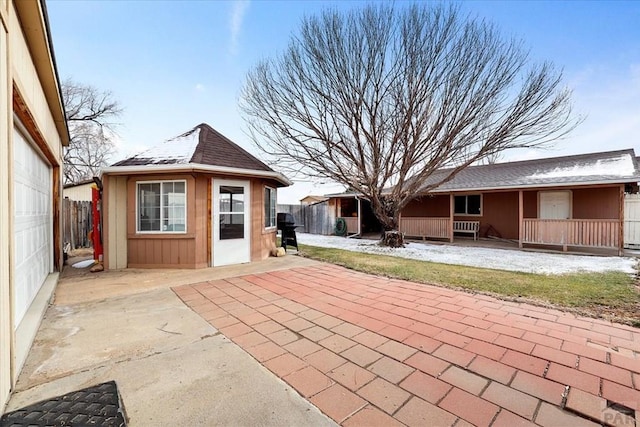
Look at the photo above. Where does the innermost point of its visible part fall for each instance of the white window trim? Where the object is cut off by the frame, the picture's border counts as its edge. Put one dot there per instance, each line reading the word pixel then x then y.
pixel 467 203
pixel 186 216
pixel 275 218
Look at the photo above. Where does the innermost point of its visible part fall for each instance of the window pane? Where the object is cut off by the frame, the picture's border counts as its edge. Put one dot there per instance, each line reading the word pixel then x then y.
pixel 273 208
pixel 473 204
pixel 174 206
pixel 149 207
pixel 460 204
pixel 269 207
pixel 231 199
pixel 231 226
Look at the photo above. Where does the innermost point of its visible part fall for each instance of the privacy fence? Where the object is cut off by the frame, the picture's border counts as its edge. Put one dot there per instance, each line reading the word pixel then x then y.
pixel 314 219
pixel 76 223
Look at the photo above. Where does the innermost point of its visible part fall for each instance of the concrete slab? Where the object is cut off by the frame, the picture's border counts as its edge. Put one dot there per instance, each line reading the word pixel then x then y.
pixel 170 365
pixel 79 285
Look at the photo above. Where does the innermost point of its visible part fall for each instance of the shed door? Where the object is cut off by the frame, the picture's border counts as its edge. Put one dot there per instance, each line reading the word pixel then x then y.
pixel 231 222
pixel 555 204
pixel 32 223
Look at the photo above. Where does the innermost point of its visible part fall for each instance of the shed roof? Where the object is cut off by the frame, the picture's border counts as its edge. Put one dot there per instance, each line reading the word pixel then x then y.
pixel 201 148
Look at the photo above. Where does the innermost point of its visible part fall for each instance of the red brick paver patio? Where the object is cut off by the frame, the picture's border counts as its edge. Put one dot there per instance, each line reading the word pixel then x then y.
pixel 371 351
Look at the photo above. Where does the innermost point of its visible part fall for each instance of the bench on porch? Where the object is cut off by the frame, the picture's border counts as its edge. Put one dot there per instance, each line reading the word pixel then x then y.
pixel 470 227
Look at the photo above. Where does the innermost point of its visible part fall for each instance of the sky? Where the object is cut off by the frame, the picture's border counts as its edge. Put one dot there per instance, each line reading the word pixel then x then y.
pixel 175 64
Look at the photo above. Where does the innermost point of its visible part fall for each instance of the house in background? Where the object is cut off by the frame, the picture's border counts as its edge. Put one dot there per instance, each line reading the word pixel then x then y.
pixel 33 131
pixel 311 199
pixel 194 201
pixel 79 192
pixel 567 202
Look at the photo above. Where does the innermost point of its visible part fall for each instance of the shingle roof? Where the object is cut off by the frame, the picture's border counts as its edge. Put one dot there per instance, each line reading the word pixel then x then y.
pixel 594 168
pixel 201 145
pixel 615 167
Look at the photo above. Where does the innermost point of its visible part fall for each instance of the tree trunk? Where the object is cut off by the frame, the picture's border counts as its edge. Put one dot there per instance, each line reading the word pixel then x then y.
pixel 388 212
pixel 393 239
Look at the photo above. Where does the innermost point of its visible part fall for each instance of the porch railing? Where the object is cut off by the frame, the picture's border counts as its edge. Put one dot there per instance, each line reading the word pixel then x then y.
pixel 352 224
pixel 599 233
pixel 426 227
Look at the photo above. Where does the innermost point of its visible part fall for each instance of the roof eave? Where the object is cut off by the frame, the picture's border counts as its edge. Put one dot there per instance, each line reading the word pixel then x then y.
pixel 35 25
pixel 195 167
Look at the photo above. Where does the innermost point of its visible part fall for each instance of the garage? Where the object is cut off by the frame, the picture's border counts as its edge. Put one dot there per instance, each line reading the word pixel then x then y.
pixel 32 223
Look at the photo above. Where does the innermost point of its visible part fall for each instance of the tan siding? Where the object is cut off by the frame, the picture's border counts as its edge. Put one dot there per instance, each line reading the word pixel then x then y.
pixel 78 193
pixel 115 218
pixel 596 203
pixel 22 94
pixel 5 260
pixel 26 79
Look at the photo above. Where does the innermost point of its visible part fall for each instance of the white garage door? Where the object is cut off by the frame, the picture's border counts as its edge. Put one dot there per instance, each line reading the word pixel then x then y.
pixel 32 222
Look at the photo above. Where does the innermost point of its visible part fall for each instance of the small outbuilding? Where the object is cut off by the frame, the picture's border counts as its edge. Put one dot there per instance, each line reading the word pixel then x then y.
pixel 194 201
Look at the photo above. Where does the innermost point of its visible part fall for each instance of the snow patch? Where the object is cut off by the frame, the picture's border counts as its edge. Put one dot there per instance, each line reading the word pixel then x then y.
pixel 615 166
pixel 84 264
pixel 497 259
pixel 178 150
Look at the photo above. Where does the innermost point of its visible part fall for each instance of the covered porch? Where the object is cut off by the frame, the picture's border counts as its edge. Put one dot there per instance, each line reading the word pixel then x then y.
pixel 575 219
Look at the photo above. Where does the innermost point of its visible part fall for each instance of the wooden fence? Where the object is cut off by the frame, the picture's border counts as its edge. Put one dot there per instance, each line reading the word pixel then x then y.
pixel 76 218
pixel 314 219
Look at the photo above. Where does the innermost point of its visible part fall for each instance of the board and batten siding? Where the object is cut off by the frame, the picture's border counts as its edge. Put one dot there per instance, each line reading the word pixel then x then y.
pixel 114 203
pixel 126 248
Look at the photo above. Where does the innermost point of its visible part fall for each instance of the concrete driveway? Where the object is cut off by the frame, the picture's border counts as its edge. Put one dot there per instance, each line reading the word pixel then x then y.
pixel 357 349
pixel 373 351
pixel 172 368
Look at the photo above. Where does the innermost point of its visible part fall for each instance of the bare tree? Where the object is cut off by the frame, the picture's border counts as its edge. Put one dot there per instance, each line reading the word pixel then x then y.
pixel 90 116
pixel 379 98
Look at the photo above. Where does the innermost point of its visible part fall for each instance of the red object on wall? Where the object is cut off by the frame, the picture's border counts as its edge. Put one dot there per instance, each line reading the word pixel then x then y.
pixel 96 229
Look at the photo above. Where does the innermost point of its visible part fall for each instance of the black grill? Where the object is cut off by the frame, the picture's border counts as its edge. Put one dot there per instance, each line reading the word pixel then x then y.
pixel 287 227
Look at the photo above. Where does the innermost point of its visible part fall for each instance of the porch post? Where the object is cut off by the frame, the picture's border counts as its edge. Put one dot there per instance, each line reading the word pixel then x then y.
pixel 520 217
pixel 359 217
pixel 621 224
pixel 451 209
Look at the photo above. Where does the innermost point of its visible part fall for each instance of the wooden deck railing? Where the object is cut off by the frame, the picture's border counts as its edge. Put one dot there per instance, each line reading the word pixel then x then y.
pixel 426 227
pixel 352 224
pixel 599 233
